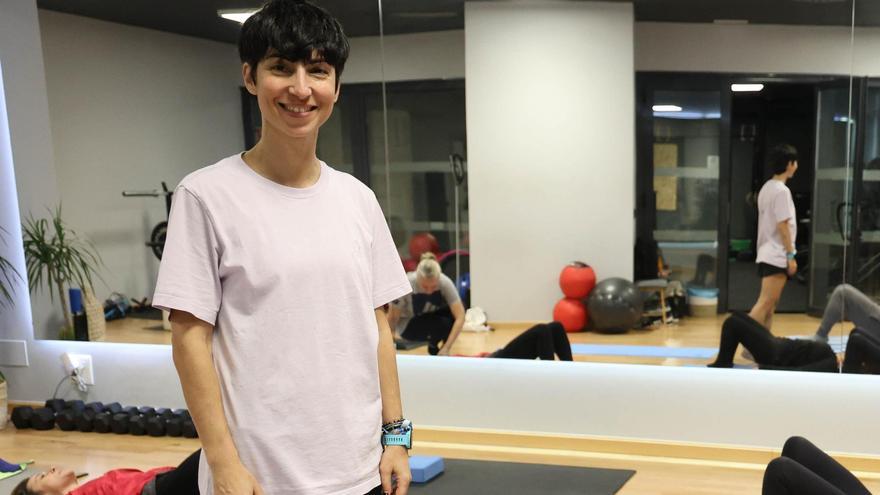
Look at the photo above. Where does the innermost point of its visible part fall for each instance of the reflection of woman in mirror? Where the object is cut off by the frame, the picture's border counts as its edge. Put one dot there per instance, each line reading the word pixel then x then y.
pixel 849 304
pixel 182 480
pixel 544 341
pixel 433 312
pixel 276 270
pixel 804 469
pixel 780 353
pixel 777 231
pixel 771 352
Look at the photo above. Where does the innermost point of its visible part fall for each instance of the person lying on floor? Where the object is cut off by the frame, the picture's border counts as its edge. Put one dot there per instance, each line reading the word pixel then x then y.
pixel 182 480
pixel 804 469
pixel 544 341
pixel 848 304
pixel 780 353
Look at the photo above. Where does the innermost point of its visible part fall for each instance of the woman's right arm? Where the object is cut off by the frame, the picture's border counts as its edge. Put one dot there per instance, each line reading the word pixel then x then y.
pixel 193 357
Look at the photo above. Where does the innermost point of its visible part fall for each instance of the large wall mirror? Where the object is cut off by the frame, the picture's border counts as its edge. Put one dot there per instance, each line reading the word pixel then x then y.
pixel 137 102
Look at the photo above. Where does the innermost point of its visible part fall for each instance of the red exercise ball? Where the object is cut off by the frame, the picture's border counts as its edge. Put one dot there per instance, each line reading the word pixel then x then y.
pixel 421 243
pixel 410 265
pixel 571 313
pixel 577 280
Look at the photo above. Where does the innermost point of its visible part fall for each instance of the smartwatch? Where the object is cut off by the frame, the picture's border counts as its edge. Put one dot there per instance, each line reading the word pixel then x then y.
pixel 398 433
pixel 790 255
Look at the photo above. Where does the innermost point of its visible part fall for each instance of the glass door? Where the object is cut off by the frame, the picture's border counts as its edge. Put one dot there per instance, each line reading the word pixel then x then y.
pixel 680 173
pixel 866 234
pixel 832 206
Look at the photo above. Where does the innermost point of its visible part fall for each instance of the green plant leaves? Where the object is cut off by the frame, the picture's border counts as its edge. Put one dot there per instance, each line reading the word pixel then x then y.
pixel 56 257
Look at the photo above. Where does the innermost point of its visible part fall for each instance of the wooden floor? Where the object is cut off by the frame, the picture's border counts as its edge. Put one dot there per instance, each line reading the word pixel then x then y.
pixel 95 454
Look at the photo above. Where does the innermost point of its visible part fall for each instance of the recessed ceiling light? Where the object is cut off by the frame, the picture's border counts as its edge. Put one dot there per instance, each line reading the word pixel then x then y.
pixel 746 88
pixel 237 15
pixel 666 108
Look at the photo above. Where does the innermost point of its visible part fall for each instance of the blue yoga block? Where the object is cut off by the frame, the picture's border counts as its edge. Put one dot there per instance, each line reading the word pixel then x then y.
pixel 425 467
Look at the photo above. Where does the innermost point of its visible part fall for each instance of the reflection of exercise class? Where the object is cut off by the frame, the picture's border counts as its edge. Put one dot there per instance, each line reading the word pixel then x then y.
pixel 313 247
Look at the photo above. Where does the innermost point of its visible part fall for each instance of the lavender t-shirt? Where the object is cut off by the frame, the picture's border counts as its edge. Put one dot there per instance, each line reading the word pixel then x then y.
pixel 774 206
pixel 290 278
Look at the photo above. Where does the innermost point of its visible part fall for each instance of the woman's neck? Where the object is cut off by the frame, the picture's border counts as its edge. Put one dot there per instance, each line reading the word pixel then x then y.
pixel 781 177
pixel 289 162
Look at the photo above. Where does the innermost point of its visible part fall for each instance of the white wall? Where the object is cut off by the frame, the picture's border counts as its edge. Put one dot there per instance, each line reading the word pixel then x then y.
pixel 131 107
pixel 550 148
pixel 756 48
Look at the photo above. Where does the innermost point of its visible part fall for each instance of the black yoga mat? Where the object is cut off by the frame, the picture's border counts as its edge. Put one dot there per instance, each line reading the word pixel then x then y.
pixel 505 478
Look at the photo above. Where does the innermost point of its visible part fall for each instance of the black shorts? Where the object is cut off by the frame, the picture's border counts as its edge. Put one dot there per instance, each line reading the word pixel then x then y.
pixel 766 270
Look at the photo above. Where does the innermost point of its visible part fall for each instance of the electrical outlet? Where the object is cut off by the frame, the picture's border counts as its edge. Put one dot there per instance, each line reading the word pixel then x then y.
pixel 82 361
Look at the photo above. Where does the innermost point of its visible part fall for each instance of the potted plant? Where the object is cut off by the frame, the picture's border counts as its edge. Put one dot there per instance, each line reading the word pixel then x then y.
pixel 57 259
pixel 8 274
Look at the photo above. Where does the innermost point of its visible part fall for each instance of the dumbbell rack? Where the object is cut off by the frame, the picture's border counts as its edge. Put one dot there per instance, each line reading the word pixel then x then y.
pixel 75 415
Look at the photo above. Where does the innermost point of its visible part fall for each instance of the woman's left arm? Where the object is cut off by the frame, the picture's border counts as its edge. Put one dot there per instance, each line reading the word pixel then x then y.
pixel 395 460
pixel 457 309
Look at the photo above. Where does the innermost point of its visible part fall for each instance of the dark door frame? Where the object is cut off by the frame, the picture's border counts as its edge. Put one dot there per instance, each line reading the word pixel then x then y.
pixel 649 81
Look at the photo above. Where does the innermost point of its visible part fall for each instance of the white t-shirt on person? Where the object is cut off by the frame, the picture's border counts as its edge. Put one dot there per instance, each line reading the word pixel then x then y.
pixel 774 205
pixel 290 278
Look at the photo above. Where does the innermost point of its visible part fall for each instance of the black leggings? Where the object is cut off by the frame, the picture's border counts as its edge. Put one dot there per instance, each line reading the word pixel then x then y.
pixel 433 327
pixel 544 341
pixel 803 469
pixel 862 353
pixel 767 349
pixel 182 480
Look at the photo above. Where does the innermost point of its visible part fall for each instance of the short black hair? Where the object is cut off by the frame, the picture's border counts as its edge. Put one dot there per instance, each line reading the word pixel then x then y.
pixel 294 30
pixel 780 156
pixel 22 489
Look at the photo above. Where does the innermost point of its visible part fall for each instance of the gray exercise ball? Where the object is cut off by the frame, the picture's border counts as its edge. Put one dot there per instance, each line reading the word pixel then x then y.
pixel 615 305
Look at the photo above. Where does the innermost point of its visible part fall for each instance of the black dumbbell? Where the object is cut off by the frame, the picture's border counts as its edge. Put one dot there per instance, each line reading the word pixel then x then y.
pixel 189 429
pixel 164 413
pixel 21 417
pixel 147 411
pixel 137 425
pixel 75 405
pixel 86 421
pixel 113 408
pixel 97 407
pixel 43 419
pixel 119 423
pixel 56 405
pixel 174 427
pixel 181 413
pixel 102 422
pixel 156 426
pixel 67 419
pixel 130 410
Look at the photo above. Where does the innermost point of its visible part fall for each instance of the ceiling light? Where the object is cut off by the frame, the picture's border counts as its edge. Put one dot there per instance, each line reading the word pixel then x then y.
pixel 237 15
pixel 666 108
pixel 746 88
